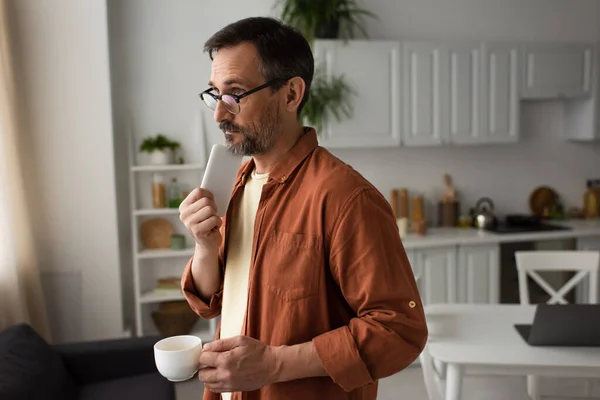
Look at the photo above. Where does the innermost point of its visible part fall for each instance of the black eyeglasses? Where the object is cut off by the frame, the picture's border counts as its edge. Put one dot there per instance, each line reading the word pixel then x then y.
pixel 232 101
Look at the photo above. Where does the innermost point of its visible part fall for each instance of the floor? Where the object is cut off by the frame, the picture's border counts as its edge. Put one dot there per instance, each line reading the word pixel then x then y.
pixel 409 385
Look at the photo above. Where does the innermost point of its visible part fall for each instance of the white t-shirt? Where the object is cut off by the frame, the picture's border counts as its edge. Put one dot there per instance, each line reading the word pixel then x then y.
pixel 239 256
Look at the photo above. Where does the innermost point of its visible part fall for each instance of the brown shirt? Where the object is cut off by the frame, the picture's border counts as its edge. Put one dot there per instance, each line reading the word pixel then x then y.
pixel 328 266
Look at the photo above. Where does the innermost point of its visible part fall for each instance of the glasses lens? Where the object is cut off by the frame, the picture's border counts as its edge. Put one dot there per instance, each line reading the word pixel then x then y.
pixel 209 101
pixel 230 104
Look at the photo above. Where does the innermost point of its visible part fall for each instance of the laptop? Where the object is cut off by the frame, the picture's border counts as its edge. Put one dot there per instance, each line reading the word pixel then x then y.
pixel 571 325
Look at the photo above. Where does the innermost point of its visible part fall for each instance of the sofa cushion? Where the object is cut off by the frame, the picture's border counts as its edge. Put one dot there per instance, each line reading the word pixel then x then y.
pixel 147 386
pixel 30 369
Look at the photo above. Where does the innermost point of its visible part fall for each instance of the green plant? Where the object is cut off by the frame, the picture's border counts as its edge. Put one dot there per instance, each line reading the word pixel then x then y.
pixel 158 142
pixel 325 18
pixel 328 97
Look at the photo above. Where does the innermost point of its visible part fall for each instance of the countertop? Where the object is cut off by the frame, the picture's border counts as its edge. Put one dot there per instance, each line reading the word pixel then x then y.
pixel 436 237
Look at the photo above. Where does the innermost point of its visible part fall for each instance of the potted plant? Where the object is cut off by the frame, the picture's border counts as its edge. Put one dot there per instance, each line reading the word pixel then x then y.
pixel 161 150
pixel 328 97
pixel 325 19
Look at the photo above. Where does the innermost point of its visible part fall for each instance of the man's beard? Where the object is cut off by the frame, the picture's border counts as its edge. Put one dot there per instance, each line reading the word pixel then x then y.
pixel 256 141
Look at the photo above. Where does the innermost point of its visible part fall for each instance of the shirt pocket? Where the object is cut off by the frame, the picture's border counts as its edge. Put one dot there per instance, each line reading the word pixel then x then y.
pixel 292 264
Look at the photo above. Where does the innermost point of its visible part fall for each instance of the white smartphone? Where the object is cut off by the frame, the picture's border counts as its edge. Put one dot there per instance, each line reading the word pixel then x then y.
pixel 219 175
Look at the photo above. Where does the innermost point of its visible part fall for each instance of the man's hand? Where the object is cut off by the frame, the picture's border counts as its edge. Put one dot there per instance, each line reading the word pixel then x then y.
pixel 198 212
pixel 238 364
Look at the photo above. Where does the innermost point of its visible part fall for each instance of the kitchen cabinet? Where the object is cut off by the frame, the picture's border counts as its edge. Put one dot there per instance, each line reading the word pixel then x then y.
pixel 463 111
pixel 555 71
pixel 412 258
pixel 425 88
pixel 442 91
pixel 500 102
pixel 478 270
pixel 372 69
pixel 436 268
pixel 460 93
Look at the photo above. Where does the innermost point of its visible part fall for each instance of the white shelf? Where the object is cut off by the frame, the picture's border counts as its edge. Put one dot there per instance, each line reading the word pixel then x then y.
pixel 160 296
pixel 156 211
pixel 166 168
pixel 165 253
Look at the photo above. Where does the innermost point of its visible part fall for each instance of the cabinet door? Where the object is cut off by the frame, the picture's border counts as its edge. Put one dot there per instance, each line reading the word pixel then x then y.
pixel 478 278
pixel 425 88
pixel 412 258
pixel 556 71
pixel 372 69
pixel 464 101
pixel 436 268
pixel 500 93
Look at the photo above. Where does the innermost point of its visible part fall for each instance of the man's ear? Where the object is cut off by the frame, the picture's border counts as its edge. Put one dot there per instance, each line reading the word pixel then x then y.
pixel 294 93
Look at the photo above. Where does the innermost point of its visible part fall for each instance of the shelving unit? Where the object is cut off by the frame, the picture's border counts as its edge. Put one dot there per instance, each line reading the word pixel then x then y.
pixel 152 264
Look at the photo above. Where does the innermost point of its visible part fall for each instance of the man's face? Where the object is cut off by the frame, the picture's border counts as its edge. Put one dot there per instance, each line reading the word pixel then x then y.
pixel 255 128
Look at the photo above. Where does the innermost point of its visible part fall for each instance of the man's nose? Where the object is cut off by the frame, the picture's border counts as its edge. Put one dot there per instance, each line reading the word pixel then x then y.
pixel 221 112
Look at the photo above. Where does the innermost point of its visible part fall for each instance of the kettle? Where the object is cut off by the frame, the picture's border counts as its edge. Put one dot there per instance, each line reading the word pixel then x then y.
pixel 483 215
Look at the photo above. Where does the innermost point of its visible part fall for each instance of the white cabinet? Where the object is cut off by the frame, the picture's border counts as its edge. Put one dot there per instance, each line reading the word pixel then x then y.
pixel 500 102
pixel 442 90
pixel 553 71
pixel 425 88
pixel 464 97
pixel 372 69
pixel 478 271
pixel 464 273
pixel 436 268
pixel 460 93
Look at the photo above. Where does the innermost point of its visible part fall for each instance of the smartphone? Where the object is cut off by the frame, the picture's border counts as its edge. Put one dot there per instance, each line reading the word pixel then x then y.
pixel 220 174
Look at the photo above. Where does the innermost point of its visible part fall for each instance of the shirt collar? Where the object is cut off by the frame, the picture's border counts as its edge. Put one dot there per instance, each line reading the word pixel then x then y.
pixel 284 168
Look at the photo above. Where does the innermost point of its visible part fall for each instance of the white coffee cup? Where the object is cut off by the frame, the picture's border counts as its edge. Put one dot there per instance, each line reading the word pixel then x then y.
pixel 177 357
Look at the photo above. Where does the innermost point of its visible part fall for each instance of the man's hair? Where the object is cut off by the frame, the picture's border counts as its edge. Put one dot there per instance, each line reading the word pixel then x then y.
pixel 282 50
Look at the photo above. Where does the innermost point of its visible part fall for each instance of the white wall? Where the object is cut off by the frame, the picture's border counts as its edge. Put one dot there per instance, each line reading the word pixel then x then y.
pixel 160 69
pixel 64 83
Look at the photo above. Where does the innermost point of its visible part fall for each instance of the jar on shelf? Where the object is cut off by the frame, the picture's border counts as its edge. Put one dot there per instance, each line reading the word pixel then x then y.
pixel 159 193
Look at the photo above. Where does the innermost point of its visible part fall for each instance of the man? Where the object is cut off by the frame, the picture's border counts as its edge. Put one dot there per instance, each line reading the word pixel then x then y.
pixel 316 294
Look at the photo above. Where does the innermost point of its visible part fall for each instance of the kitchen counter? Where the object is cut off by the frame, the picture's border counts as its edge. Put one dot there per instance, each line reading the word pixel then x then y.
pixel 437 237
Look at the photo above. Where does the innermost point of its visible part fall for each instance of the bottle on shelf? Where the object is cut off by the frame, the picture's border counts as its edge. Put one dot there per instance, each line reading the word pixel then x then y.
pixel 159 194
pixel 174 194
pixel 591 200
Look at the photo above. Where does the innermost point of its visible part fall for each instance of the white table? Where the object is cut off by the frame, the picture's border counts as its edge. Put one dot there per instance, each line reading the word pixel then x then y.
pixel 481 339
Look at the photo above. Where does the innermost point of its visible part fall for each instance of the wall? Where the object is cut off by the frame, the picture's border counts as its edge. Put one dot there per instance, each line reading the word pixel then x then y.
pixel 65 91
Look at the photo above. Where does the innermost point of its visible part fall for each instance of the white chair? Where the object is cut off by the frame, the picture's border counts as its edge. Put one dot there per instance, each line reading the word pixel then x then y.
pixel 433 375
pixel 585 264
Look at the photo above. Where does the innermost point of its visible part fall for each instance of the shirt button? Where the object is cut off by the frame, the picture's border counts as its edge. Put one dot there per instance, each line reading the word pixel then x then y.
pixel 412 304
pixel 283 178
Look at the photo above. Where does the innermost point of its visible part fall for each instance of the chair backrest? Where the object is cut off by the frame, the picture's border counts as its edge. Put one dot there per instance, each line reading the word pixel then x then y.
pixel 432 378
pixel 584 263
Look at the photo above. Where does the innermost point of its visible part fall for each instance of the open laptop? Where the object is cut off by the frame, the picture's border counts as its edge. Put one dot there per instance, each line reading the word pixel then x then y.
pixel 563 325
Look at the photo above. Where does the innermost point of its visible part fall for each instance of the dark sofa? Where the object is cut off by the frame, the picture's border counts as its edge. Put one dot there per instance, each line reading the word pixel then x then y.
pixel 31 369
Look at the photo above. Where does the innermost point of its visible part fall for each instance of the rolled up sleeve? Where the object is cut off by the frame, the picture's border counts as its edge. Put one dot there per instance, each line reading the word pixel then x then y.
pixel 200 307
pixel 369 263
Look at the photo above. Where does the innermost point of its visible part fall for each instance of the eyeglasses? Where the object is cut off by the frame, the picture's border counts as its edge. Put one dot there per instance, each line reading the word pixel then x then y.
pixel 232 101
